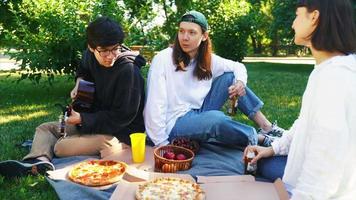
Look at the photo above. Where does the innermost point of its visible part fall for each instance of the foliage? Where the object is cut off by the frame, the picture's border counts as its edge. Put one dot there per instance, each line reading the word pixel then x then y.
pixel 49 34
pixel 281 33
pixel 140 13
pixel 6 19
pixel 259 19
pixel 230 29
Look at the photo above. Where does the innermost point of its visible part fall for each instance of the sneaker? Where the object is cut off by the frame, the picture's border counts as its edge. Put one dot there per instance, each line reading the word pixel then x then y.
pixel 267 140
pixel 14 168
pixel 276 131
pixel 270 136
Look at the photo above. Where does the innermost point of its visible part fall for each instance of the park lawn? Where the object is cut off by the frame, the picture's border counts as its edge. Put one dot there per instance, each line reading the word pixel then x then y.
pixel 24 105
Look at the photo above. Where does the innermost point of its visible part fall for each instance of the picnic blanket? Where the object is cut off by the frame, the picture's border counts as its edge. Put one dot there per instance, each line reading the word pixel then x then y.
pixel 212 160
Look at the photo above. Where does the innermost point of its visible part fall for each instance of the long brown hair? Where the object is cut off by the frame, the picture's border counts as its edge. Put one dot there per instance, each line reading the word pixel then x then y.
pixel 203 68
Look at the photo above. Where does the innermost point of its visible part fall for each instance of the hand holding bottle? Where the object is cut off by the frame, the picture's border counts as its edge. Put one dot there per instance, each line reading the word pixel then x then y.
pixel 260 152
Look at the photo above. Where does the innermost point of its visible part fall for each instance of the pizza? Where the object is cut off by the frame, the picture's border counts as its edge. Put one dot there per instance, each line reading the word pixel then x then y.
pixel 169 188
pixel 97 172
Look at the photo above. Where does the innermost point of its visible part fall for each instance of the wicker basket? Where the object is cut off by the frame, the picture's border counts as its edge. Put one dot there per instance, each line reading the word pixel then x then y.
pixel 179 164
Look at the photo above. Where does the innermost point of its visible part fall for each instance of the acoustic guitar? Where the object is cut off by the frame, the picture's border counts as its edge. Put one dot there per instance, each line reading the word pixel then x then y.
pixel 84 99
pixel 82 102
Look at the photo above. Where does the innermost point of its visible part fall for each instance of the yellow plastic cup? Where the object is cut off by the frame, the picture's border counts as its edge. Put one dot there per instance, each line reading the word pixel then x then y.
pixel 138 147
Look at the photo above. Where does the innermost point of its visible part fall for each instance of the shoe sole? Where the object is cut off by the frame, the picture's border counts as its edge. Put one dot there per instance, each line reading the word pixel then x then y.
pixel 14 168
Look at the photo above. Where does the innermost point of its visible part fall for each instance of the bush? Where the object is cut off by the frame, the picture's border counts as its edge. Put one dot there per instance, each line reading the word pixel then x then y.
pixel 50 34
pixel 230 30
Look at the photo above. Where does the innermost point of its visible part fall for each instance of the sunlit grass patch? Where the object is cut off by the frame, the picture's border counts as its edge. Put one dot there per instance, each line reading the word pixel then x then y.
pixel 12 118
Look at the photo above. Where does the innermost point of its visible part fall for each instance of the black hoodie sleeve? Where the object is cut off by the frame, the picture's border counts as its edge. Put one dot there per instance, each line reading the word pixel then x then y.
pixel 128 99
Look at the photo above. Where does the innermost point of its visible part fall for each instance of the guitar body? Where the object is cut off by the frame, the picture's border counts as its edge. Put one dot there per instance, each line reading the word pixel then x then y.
pixel 84 99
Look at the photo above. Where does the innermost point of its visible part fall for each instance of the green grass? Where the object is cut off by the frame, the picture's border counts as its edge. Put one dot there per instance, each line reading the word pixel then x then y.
pixel 24 105
pixel 280 86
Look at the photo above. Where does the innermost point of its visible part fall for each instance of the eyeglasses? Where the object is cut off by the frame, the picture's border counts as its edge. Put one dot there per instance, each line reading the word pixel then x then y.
pixel 115 51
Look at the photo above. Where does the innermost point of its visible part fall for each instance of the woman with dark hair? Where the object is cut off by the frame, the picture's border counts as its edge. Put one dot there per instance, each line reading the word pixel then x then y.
pixel 321 148
pixel 188 85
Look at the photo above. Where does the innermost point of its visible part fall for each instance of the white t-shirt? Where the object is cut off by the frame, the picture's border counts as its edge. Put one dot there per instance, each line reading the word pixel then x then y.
pixel 321 144
pixel 171 93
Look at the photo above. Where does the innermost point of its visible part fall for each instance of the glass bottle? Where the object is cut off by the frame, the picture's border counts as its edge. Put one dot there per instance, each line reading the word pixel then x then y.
pixel 250 168
pixel 232 108
pixel 61 124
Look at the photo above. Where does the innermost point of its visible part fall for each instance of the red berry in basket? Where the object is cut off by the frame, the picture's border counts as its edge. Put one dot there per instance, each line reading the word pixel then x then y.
pixel 186 143
pixel 181 157
pixel 169 155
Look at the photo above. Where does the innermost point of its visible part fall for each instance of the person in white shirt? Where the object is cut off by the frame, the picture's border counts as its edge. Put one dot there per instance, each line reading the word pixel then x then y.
pixel 321 144
pixel 188 85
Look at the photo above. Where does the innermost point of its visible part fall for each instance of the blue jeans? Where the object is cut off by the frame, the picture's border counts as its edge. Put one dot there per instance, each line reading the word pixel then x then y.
pixel 269 169
pixel 209 123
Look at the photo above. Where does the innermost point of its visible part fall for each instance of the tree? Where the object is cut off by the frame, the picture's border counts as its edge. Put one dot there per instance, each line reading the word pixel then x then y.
pixel 6 19
pixel 281 33
pixel 140 15
pixel 259 19
pixel 50 34
pixel 230 29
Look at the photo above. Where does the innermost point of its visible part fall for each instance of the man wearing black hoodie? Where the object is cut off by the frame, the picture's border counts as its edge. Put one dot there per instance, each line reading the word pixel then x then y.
pixel 116 111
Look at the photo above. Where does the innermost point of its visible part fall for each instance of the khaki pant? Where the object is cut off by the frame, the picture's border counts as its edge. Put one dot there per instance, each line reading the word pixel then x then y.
pixel 48 142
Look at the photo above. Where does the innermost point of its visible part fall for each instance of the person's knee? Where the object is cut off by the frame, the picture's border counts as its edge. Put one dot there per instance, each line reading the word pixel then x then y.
pixel 46 127
pixel 67 146
pixel 59 150
pixel 218 118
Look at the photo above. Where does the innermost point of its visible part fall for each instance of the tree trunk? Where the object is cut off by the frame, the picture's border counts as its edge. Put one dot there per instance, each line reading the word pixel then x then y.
pixel 254 45
pixel 274 44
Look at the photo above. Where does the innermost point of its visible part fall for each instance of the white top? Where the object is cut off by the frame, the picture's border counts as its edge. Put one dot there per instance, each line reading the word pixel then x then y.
pixel 321 144
pixel 171 93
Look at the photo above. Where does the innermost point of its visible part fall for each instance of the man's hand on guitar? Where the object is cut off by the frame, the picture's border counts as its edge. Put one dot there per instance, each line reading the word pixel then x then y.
pixel 74 92
pixel 74 118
